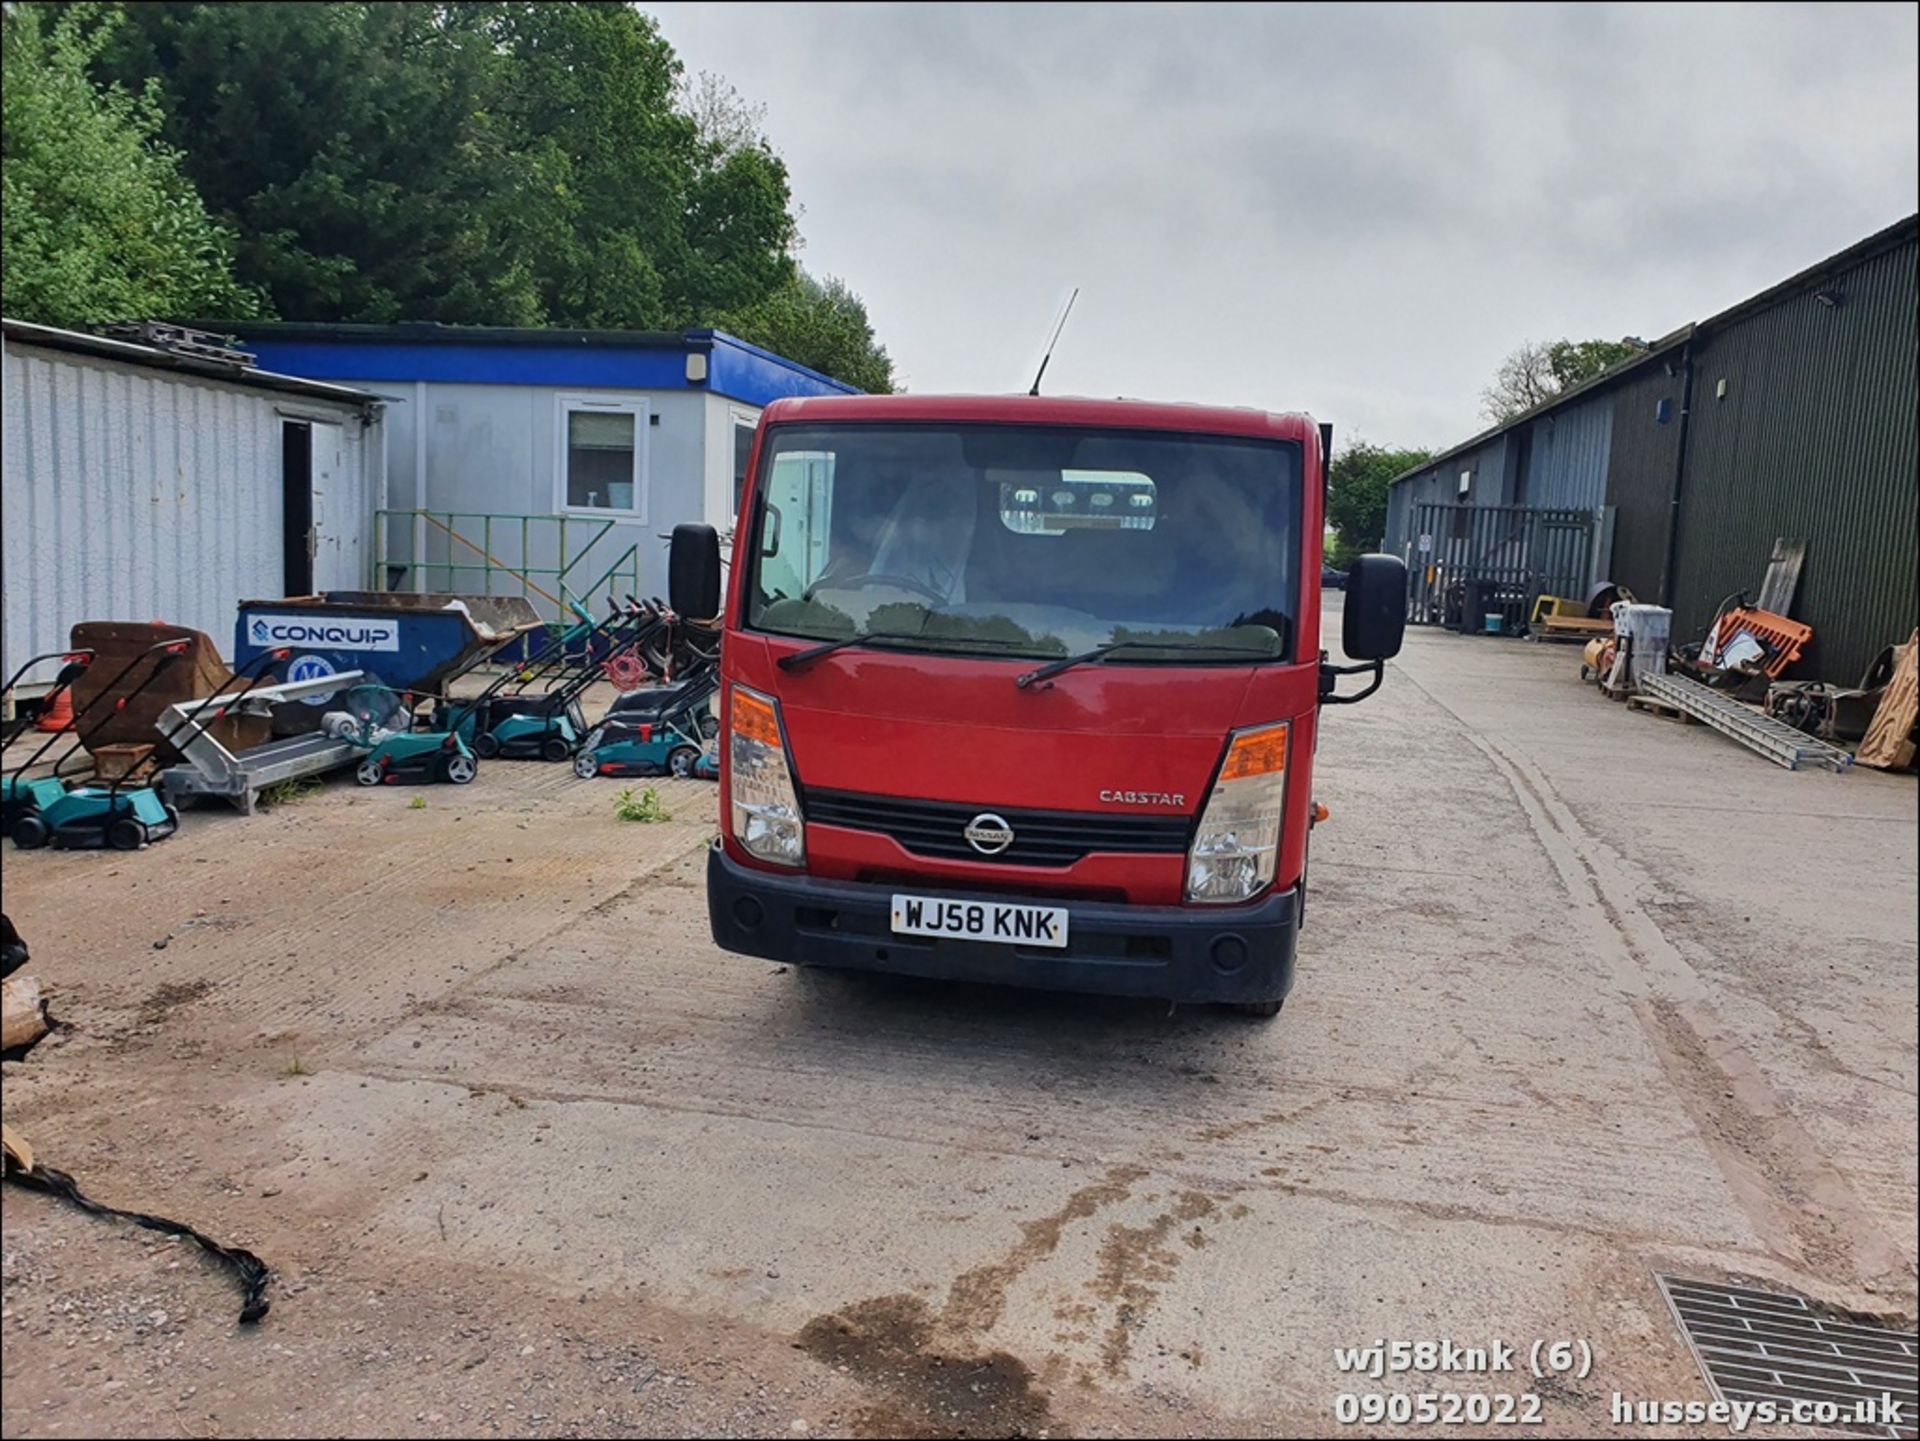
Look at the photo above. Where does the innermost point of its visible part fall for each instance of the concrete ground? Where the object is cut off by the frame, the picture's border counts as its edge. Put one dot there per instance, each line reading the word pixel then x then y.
pixel 1584 996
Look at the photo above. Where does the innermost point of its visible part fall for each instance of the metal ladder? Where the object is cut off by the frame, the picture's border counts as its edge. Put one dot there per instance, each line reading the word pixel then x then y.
pixel 1779 743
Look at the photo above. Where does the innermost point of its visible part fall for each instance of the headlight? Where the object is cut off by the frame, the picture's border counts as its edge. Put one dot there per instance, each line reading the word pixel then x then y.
pixel 1238 839
pixel 764 811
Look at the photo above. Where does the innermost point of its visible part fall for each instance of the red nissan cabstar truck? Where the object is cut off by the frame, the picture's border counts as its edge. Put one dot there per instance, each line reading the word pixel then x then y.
pixel 1024 690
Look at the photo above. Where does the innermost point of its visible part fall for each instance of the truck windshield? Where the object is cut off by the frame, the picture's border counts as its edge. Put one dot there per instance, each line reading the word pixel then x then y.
pixel 1029 541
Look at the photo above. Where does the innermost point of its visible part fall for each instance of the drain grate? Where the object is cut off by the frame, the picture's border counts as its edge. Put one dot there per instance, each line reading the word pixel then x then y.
pixel 1761 1346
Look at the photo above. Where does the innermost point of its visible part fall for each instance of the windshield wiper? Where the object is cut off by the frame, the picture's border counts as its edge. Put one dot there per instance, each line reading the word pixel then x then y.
pixel 813 653
pixel 1067 663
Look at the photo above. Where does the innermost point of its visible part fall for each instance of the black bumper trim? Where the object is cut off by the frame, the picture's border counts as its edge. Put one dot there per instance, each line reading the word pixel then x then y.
pixel 1173 953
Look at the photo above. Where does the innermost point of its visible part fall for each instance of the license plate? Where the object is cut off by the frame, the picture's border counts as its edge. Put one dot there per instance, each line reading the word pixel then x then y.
pixel 981 921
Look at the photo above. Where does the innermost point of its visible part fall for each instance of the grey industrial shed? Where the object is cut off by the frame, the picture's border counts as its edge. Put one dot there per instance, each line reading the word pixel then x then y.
pixel 1790 414
pixel 145 483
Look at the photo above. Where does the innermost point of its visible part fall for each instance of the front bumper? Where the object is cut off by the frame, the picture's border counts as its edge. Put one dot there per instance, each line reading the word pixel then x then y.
pixel 1173 953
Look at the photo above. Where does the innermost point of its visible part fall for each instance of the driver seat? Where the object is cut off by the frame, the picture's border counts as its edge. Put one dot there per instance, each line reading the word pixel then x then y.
pixel 929 534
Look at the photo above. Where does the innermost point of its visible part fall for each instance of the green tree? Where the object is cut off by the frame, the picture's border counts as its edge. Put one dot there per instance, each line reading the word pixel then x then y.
pixel 1535 373
pixel 351 148
pixel 1357 485
pixel 822 324
pixel 497 162
pixel 1573 361
pixel 96 220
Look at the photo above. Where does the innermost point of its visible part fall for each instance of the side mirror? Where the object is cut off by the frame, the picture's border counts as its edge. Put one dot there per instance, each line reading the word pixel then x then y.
pixel 1376 608
pixel 693 572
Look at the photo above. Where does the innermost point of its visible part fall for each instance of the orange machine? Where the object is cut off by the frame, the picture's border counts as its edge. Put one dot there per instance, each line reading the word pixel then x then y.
pixel 1783 639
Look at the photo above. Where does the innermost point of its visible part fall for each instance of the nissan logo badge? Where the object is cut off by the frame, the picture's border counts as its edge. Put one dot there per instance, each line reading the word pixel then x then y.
pixel 988 834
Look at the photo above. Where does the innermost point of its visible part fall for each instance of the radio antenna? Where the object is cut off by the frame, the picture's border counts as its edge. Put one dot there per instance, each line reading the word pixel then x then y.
pixel 1054 339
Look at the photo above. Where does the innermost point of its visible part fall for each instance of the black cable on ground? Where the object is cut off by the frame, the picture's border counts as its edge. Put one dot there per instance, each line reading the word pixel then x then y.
pixel 248 1269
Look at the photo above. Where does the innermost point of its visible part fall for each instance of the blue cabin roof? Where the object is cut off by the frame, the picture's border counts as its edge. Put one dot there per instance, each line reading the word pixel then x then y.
pixel 486 355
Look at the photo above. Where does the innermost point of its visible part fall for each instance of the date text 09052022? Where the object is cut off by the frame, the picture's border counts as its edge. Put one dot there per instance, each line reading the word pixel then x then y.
pixel 1441 1408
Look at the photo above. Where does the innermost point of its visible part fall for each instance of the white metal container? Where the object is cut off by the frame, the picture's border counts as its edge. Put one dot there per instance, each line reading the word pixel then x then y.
pixel 1645 632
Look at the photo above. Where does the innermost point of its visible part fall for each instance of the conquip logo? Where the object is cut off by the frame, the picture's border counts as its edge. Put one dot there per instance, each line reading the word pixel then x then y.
pixel 322 634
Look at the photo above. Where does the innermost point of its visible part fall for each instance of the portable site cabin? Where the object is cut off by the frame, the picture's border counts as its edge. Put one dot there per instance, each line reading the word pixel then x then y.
pixel 546 463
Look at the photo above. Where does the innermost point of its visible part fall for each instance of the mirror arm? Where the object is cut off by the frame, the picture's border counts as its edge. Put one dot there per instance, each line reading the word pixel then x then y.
pixel 1330 673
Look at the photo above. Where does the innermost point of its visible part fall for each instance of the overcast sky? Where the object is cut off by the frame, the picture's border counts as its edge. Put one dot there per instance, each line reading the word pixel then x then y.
pixel 1353 211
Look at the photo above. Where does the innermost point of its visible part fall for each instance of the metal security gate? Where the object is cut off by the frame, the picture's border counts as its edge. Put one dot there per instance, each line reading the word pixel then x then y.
pixel 1468 562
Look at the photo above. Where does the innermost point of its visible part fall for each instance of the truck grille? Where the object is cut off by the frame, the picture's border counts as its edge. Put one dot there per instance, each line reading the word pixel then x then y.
pixel 1040 838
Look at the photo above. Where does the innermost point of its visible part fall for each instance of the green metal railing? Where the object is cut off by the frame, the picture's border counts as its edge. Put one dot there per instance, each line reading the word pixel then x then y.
pixel 571 542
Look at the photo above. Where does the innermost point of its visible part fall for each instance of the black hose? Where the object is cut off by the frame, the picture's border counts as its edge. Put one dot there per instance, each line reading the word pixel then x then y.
pixel 248 1269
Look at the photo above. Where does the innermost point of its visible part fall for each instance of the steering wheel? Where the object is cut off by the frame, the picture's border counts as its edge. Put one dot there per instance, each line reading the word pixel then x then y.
pixel 861 582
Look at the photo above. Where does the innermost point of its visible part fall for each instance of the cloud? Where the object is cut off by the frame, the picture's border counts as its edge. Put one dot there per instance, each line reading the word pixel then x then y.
pixel 1355 210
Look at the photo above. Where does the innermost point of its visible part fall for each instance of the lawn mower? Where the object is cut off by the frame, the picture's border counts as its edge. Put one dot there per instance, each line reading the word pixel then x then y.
pixel 400 751
pixel 650 733
pixel 18 794
pixel 383 721
pixel 125 812
pixel 571 647
pixel 502 720
pixel 130 810
pixel 508 720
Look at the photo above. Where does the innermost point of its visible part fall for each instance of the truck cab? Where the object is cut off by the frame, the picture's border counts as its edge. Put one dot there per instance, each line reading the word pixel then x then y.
pixel 1025 690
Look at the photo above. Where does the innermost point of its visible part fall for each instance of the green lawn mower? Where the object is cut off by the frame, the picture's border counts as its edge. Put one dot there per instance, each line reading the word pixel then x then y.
pixel 650 733
pixel 19 794
pixel 382 721
pixel 418 757
pixel 130 810
pixel 506 719
pixel 125 813
pixel 458 733
pixel 511 720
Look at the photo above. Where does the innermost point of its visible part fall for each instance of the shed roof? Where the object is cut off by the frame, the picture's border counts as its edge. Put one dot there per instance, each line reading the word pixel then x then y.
pixel 1661 347
pixel 130 352
pixel 1899 233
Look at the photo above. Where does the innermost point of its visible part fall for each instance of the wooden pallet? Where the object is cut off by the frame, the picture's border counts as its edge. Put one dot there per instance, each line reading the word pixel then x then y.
pixel 1568 627
pixel 1653 705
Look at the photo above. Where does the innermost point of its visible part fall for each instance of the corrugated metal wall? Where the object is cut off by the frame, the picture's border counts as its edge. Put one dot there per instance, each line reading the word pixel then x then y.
pixel 1440 484
pixel 1640 470
pixel 139 494
pixel 1401 499
pixel 1813 438
pixel 1566 457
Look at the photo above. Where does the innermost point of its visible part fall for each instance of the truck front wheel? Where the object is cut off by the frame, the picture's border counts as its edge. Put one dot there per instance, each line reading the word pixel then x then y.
pixel 1257 1008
